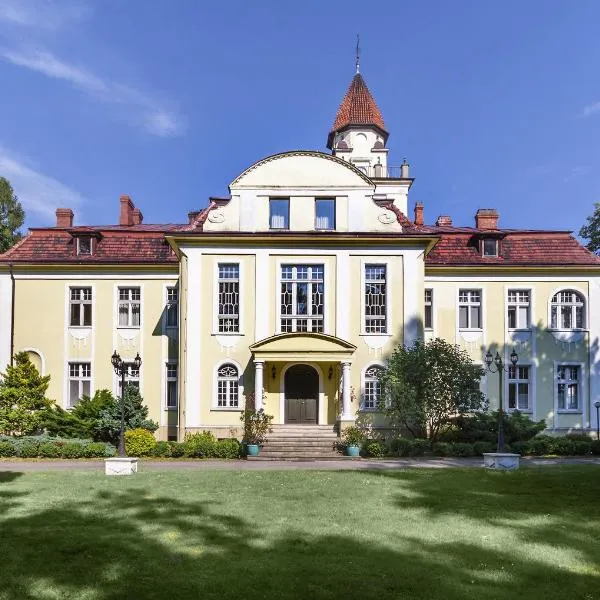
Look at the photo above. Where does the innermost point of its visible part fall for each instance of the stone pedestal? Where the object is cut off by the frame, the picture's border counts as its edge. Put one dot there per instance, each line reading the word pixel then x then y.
pixel 501 461
pixel 120 466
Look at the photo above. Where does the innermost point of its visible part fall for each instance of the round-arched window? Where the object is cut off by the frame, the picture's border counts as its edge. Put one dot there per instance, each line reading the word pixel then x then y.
pixel 567 310
pixel 227 386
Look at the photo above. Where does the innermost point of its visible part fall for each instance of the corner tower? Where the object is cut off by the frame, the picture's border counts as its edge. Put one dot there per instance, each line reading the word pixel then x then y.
pixel 358 134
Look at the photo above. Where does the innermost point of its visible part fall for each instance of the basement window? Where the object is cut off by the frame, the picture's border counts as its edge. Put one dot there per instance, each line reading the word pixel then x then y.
pixel 489 247
pixel 84 246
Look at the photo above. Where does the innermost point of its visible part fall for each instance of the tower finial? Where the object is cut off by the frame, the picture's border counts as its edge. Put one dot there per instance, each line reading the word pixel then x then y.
pixel 357 54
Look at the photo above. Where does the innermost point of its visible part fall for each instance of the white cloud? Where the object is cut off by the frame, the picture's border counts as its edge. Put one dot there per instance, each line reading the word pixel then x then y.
pixel 39 194
pixel 591 109
pixel 141 109
pixel 41 14
pixel 577 172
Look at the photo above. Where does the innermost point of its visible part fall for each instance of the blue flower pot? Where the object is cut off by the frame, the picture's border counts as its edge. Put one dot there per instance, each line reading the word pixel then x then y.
pixel 252 449
pixel 352 450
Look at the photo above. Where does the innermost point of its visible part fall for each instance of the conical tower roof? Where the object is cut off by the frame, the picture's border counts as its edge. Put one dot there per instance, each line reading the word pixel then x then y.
pixel 357 108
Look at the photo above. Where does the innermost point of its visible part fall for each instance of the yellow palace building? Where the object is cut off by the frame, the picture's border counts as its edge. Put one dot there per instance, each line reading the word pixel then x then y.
pixel 292 290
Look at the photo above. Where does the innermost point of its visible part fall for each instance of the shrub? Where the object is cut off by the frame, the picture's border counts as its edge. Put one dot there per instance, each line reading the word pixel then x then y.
pixel 595 447
pixel 479 448
pixel 578 437
pixel 200 445
pixel 28 449
pixel 462 449
pixel 72 450
pixel 375 448
pixel 97 450
pixel 177 449
pixel 7 449
pixel 541 445
pixel 582 447
pixel 518 427
pixel 257 424
pixel 442 449
pixel 353 436
pixel 419 447
pixel 521 448
pixel 139 442
pixel 228 448
pixel 161 449
pixel 401 446
pixel 49 450
pixel 563 446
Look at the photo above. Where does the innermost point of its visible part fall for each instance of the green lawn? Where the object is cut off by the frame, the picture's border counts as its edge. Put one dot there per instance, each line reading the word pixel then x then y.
pixel 451 534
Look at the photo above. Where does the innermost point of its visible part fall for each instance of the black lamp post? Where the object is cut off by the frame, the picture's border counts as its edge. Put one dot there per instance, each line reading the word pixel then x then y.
pixel 597 405
pixel 495 365
pixel 121 368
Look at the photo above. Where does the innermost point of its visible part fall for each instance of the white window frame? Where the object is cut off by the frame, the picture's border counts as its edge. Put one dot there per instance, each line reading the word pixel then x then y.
pixel 130 302
pixel 515 382
pixel 517 304
pixel 218 281
pixel 128 378
pixel 584 310
pixel 240 382
pixel 470 304
pixel 227 259
pixel 91 240
pixel 81 379
pixel 286 198
pixel 170 303
pixel 170 379
pixel 429 303
pixel 329 199
pixel 497 247
pixel 80 302
pixel 375 261
pixel 365 380
pixel 581 388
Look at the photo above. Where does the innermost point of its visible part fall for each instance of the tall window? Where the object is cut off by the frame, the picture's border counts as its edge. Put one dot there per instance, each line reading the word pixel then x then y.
pixel 171 385
pixel 80 307
pixel 279 213
pixel 129 307
pixel 375 299
pixel 568 386
pixel 566 310
pixel 324 213
pixel 80 381
pixel 227 386
pixel 372 399
pixel 302 297
pixel 518 388
pixel 172 306
pixel 518 309
pixel 229 298
pixel 469 309
pixel 428 309
pixel 132 378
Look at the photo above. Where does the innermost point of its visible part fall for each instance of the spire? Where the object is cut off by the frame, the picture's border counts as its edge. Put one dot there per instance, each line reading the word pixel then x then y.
pixel 358 107
pixel 357 54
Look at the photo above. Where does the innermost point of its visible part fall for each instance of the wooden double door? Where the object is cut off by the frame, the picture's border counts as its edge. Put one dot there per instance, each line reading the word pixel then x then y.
pixel 301 395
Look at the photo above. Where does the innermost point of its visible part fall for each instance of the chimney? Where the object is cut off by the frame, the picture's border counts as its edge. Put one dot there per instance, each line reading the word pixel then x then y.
pixel 64 218
pixel 126 216
pixel 444 221
pixel 193 215
pixel 404 170
pixel 486 218
pixel 419 220
pixel 138 217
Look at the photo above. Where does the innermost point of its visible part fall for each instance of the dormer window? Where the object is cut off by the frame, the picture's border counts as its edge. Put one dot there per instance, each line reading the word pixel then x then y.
pixel 489 247
pixel 84 245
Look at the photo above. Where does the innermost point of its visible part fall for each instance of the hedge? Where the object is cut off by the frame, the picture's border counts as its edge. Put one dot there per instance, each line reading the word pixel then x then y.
pixel 43 446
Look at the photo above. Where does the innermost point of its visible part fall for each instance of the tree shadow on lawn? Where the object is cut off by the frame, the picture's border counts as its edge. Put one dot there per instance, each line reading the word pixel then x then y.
pixel 130 545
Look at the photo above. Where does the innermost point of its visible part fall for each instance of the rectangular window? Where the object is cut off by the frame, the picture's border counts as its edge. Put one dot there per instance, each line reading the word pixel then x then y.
pixel 279 213
pixel 428 309
pixel 171 385
pixel 84 246
pixel 172 308
pixel 489 247
pixel 129 307
pixel 302 298
pixel 80 382
pixel 518 388
pixel 132 378
pixel 80 302
pixel 568 386
pixel 229 298
pixel 469 309
pixel 518 309
pixel 324 213
pixel 375 299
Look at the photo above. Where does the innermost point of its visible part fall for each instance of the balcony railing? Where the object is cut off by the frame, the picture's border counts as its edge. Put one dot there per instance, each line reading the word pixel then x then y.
pixel 381 172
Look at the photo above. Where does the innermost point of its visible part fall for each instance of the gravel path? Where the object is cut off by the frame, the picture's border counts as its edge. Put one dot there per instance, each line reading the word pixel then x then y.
pixel 27 466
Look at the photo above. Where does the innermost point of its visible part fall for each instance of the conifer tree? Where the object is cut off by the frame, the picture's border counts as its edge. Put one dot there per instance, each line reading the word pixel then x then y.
pixel 12 216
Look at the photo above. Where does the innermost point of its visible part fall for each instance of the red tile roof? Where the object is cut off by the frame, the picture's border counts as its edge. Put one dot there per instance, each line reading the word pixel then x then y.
pixel 358 107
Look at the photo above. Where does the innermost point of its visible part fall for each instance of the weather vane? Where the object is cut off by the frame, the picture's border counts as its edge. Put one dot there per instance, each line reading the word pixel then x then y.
pixel 357 53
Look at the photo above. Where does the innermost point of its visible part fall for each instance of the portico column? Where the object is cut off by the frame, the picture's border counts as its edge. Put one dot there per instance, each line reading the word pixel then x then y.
pixel 346 398
pixel 259 366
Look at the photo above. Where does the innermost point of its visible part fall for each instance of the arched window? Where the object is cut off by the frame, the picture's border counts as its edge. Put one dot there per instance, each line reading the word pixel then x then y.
pixel 227 386
pixel 372 397
pixel 567 310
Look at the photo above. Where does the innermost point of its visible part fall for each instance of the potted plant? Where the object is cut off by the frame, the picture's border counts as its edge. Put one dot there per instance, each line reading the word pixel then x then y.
pixel 257 424
pixel 353 438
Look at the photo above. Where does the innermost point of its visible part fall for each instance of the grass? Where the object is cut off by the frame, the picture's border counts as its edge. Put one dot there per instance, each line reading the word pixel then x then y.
pixel 452 534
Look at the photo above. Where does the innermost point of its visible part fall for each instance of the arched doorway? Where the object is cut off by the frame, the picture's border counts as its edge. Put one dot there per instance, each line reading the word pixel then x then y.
pixel 301 395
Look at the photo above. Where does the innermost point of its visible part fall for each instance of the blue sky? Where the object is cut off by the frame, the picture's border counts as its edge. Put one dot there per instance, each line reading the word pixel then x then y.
pixel 494 104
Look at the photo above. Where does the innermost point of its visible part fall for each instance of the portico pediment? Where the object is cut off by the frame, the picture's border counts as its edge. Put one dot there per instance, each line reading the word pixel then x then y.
pixel 303 346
